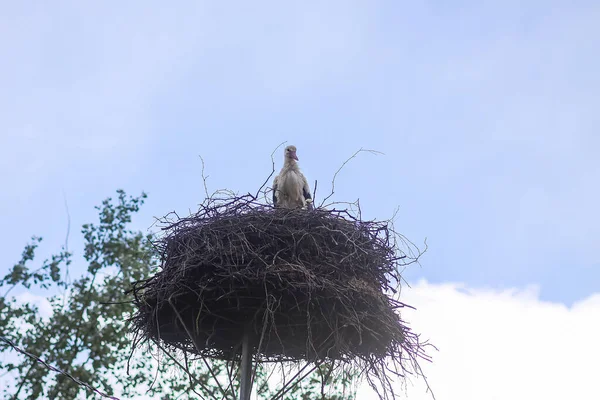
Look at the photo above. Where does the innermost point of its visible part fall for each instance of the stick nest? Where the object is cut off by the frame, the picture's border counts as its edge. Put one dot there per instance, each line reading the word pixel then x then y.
pixel 305 285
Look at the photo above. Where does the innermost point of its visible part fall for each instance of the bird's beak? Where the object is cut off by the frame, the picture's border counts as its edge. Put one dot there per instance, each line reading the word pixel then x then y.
pixel 294 156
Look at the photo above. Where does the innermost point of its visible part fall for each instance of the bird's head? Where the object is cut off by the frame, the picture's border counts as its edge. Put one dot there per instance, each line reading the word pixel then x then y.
pixel 290 152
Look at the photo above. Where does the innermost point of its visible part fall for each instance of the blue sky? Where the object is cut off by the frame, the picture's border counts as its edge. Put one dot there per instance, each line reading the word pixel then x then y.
pixel 486 113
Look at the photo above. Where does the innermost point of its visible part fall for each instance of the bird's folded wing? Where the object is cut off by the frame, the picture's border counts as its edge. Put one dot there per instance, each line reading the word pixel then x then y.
pixel 275 184
pixel 306 193
pixel 305 188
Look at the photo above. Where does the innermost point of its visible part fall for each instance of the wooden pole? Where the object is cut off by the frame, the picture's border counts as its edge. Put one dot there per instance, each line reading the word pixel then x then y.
pixel 246 368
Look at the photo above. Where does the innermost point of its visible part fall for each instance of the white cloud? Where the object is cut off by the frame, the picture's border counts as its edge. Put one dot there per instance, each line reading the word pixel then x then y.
pixel 504 344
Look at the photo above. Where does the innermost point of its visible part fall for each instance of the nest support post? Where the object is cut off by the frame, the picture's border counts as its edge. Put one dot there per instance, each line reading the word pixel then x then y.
pixel 246 368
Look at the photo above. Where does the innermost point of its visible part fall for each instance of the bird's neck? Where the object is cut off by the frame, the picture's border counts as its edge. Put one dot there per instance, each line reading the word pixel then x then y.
pixel 290 164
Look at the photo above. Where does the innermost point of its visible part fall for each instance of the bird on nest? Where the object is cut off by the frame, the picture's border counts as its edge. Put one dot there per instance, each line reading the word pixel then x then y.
pixel 290 187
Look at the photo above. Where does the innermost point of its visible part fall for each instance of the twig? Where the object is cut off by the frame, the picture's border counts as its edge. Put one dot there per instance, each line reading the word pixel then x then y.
pixel 289 386
pixel 185 368
pixel 68 224
pixel 272 171
pixel 204 178
pixel 193 339
pixel 342 166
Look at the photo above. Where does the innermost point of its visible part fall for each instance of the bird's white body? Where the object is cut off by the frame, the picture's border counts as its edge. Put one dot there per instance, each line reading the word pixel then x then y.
pixel 290 187
pixel 290 184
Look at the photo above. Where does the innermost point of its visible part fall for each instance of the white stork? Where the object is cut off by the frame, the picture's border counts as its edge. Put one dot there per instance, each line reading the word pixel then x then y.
pixel 290 187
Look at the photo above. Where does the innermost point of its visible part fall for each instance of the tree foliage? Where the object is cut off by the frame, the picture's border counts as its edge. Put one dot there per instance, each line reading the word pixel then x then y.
pixel 86 333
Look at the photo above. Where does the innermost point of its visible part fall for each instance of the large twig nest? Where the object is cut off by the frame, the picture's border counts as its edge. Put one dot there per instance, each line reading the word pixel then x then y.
pixel 306 285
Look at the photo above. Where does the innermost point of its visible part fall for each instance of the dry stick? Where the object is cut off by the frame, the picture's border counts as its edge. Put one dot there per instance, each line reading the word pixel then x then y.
pixel 230 375
pixel 290 386
pixel 204 178
pixel 266 382
pixel 260 342
pixel 67 242
pixel 325 378
pixel 420 372
pixel 189 375
pixel 197 348
pixel 157 370
pixel 340 168
pixel 202 385
pixel 272 172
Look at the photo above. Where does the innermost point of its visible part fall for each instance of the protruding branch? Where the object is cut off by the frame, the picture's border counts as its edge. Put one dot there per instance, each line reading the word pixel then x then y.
pixel 361 150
